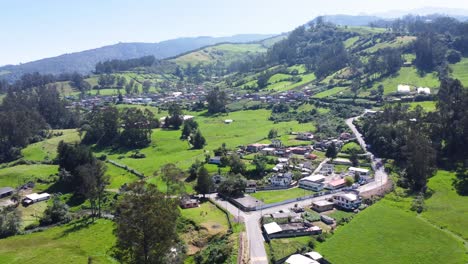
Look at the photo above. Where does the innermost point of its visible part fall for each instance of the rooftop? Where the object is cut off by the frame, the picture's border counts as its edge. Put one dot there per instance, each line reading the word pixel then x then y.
pixel 299 259
pixel 272 228
pixel 358 169
pixel 314 178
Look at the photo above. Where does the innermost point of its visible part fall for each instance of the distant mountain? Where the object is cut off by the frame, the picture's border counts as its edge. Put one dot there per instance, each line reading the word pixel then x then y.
pixel 458 13
pixel 349 20
pixel 84 61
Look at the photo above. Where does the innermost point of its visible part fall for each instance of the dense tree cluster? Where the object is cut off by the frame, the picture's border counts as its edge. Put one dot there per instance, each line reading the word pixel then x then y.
pixel 130 128
pixel 124 65
pixel 416 140
pixel 217 100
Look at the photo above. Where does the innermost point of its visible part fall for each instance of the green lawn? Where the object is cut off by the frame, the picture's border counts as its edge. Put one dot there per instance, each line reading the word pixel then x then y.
pixel 278 77
pixel 351 145
pixel 460 71
pixel 280 195
pixel 71 243
pixel 207 216
pixel 47 149
pixel 408 76
pixel 118 176
pixel 445 207
pixel 17 175
pixel 428 106
pixel 330 92
pixel 384 233
pixel 284 247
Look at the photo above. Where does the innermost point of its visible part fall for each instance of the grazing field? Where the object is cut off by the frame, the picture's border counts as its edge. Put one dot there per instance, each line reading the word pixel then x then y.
pixel 330 92
pixel 399 42
pixel 275 196
pixel 207 216
pixel 118 176
pixel 283 247
pixel 445 207
pixel 71 243
pixel 428 106
pixel 460 71
pixel 248 127
pixel 47 149
pixel 408 76
pixel 18 175
pixel 384 233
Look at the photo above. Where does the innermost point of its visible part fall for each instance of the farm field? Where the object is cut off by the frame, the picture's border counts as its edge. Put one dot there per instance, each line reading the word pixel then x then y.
pixel 283 247
pixel 71 243
pixel 460 71
pixel 428 106
pixel 275 196
pixel 47 149
pixel 330 92
pixel 408 76
pixel 445 208
pixel 118 176
pixel 20 174
pixel 397 237
pixel 207 216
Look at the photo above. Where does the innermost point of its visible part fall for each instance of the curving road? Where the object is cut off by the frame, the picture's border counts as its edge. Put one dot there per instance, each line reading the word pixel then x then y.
pixel 252 219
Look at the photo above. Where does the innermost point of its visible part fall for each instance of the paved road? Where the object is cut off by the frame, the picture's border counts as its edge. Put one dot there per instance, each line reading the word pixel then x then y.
pixel 252 219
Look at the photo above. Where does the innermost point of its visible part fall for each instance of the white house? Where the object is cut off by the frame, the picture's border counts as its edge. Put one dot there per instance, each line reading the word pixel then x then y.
pixel 362 172
pixel 403 88
pixel 349 201
pixel 281 179
pixel 313 182
pixel 424 90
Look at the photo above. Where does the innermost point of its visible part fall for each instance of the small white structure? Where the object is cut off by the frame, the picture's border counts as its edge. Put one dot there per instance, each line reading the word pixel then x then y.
pixel 314 255
pixel 299 259
pixel 35 198
pixel 424 90
pixel 268 151
pixel 347 200
pixel 281 179
pixel 342 161
pixel 313 182
pixel 228 121
pixel 403 88
pixel 362 172
pixel 272 228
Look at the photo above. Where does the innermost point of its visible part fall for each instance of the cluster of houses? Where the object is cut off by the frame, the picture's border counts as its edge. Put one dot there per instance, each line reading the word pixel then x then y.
pixel 28 199
pixel 288 224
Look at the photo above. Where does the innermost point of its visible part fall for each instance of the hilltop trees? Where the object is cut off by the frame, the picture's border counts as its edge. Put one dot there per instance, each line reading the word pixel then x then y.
pixel 137 125
pixel 145 225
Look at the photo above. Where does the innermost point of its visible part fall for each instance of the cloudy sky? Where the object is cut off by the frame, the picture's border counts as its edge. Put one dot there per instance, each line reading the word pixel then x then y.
pixel 32 29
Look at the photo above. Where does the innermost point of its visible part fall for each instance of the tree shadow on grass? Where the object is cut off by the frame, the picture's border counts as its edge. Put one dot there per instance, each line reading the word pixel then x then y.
pixel 75 226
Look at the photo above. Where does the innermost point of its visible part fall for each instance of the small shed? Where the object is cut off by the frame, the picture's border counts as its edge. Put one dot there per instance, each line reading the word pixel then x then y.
pixel 6 191
pixel 228 121
pixel 189 203
pixel 322 206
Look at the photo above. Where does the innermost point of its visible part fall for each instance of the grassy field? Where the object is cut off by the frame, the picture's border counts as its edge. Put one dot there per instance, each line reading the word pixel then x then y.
pixel 284 247
pixel 47 149
pixel 118 176
pixel 71 243
pixel 385 233
pixel 248 127
pixel 445 207
pixel 222 52
pixel 351 145
pixel 408 76
pixel 428 106
pixel 460 71
pixel 207 216
pixel 330 92
pixel 17 175
pixel 280 195
pixel 399 42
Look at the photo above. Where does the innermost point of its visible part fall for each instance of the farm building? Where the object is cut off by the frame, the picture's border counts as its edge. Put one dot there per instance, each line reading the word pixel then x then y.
pixel 35 198
pixel 424 90
pixel 189 203
pixel 6 191
pixel 228 121
pixel 336 184
pixel 403 88
pixel 322 206
pixel 342 161
pixel 313 182
pixel 256 147
pixel 362 172
pixel 348 201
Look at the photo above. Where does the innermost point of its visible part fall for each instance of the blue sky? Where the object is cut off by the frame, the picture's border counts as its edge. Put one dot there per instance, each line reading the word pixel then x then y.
pixel 34 29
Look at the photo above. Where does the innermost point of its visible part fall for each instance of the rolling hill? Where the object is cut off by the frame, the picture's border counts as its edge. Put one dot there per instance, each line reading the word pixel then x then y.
pixel 84 61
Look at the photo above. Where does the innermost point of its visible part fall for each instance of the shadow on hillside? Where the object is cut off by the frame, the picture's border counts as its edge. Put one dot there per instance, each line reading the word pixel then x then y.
pixel 78 225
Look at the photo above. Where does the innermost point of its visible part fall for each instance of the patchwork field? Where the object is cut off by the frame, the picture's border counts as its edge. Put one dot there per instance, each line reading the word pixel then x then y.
pixel 330 92
pixel 70 243
pixel 428 106
pixel 385 233
pixel 408 76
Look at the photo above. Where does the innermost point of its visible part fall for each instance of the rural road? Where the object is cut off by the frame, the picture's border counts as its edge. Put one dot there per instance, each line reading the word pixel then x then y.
pixel 252 219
